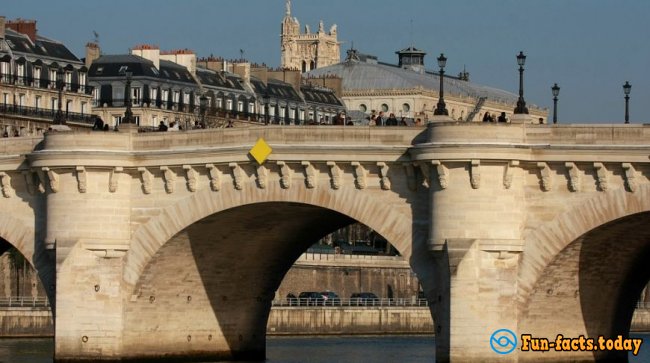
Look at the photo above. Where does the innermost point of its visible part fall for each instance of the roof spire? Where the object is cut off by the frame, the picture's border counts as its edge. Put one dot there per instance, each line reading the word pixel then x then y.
pixel 288 4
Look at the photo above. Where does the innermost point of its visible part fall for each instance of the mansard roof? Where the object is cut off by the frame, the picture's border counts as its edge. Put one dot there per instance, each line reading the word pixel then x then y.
pixel 42 48
pixel 116 65
pixel 320 95
pixel 360 75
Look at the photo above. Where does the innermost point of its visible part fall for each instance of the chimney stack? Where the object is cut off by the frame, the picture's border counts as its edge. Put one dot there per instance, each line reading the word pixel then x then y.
pixel 92 53
pixel 150 52
pixel 27 27
pixel 2 27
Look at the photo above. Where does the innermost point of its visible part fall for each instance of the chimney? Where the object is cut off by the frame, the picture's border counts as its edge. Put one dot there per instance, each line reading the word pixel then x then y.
pixel 243 70
pixel 27 27
pixel 92 53
pixel 147 51
pixel 183 57
pixel 2 27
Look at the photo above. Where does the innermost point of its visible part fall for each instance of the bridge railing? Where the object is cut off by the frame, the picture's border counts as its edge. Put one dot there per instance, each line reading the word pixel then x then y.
pixel 45 113
pixel 352 302
pixel 24 302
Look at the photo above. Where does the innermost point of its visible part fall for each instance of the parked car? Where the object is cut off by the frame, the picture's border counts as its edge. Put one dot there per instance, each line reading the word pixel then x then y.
pixel 364 299
pixel 310 298
pixel 330 298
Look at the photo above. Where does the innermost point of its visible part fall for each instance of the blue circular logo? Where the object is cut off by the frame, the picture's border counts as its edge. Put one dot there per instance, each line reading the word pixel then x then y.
pixel 503 341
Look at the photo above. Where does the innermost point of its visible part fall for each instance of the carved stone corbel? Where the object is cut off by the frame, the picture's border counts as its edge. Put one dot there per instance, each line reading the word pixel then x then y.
pixel 411 180
pixel 29 181
pixel 5 181
pixel 192 178
pixel 601 174
pixel 114 178
pixel 53 178
pixel 170 179
pixel 310 175
pixel 630 177
pixel 336 174
pixel 443 174
pixel 82 179
pixel 509 172
pixel 359 175
pixel 383 176
pixel 262 176
pixel 574 176
pixel 285 175
pixel 215 177
pixel 475 174
pixel 426 172
pixel 545 176
pixel 147 179
pixel 237 175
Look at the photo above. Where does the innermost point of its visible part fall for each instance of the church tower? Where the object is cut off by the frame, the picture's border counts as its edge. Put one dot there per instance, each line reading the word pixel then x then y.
pixel 307 51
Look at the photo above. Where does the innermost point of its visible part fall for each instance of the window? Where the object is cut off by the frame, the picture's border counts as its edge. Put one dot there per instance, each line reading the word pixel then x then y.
pixel 251 108
pixel 54 103
pixel 228 105
pixel 83 108
pixel 5 98
pixel 68 106
pixel 82 82
pixel 154 70
pixel 4 69
pixel 37 102
pixel 240 106
pixel 96 97
pixel 384 107
pixel 363 108
pixel 136 93
pixel 219 103
pixel 52 78
pixel 177 96
pixel 68 80
pixel 165 95
pixel 123 69
pixel 154 94
pixel 406 107
pixel 186 98
pixel 37 76
pixel 21 100
pixel 99 70
pixel 20 72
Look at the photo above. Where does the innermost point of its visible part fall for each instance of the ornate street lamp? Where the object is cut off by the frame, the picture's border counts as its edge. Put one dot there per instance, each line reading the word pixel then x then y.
pixel 128 114
pixel 441 107
pixel 203 107
pixel 267 99
pixel 556 92
pixel 58 117
pixel 521 104
pixel 626 89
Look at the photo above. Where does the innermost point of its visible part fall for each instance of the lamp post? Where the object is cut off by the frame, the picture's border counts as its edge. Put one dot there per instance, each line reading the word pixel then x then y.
pixel 626 89
pixel 128 114
pixel 267 99
pixel 556 92
pixel 203 107
pixel 521 104
pixel 441 107
pixel 58 117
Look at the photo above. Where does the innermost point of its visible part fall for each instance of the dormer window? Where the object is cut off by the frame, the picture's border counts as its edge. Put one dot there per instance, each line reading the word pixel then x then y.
pixel 123 69
pixel 154 70
pixel 99 71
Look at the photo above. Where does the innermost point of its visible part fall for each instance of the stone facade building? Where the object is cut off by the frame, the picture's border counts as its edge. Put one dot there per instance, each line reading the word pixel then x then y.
pixel 408 90
pixel 307 51
pixel 29 67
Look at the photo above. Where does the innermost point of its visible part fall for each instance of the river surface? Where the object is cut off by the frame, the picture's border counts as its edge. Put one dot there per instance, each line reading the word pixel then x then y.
pixel 383 349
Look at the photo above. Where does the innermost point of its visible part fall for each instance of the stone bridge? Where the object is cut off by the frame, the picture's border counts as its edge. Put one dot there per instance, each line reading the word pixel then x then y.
pixel 166 246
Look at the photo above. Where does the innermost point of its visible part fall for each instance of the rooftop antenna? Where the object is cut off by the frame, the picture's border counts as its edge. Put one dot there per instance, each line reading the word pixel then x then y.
pixel 96 37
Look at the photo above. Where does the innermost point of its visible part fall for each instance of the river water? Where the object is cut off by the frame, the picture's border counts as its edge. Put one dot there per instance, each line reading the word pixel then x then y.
pixel 382 349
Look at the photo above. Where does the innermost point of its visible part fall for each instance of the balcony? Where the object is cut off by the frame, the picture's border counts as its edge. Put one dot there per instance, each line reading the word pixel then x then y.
pixel 45 114
pixel 43 84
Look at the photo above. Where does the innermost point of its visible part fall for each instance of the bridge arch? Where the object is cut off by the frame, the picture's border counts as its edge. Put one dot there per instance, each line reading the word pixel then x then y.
pixel 227 293
pixel 582 273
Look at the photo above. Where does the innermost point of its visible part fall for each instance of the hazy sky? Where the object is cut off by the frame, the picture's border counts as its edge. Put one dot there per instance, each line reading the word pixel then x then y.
pixel 589 47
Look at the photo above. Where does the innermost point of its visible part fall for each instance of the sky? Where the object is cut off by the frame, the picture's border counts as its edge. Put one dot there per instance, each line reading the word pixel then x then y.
pixel 589 47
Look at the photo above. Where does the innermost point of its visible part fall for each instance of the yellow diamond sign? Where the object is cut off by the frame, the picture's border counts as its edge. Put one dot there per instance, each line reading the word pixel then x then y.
pixel 260 151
